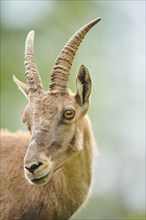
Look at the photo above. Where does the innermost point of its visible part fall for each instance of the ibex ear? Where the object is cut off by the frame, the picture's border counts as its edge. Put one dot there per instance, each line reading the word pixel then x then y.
pixel 22 86
pixel 83 85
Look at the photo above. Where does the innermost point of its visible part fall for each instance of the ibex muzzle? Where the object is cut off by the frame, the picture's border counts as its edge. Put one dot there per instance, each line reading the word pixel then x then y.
pixel 55 117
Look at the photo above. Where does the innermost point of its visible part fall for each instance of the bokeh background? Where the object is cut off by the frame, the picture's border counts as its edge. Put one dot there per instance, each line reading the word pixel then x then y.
pixel 114 51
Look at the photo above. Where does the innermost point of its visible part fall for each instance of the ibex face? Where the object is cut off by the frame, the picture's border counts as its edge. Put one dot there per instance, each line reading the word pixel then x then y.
pixel 54 118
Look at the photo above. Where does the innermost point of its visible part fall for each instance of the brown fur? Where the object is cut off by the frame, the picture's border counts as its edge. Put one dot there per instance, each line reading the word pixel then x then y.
pixel 59 198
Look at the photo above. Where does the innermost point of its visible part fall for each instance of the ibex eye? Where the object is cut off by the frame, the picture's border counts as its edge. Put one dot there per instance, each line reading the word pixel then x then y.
pixel 69 114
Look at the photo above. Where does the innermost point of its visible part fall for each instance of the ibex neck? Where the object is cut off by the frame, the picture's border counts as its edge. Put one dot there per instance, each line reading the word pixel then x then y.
pixel 77 173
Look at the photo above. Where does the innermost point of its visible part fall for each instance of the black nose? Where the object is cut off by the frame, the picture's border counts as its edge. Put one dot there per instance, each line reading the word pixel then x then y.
pixel 33 167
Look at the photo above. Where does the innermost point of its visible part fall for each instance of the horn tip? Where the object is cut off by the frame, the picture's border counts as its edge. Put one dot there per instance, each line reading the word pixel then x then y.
pixel 15 79
pixel 29 40
pixel 97 19
pixel 31 34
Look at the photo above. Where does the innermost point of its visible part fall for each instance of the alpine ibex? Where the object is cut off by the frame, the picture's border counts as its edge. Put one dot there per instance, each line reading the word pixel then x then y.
pixel 60 147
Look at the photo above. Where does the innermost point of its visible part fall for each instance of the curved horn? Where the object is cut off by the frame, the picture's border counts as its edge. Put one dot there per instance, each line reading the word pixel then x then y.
pixel 31 72
pixel 63 63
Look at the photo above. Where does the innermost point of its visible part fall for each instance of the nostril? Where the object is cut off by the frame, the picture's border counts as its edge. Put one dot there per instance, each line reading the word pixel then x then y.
pixel 33 167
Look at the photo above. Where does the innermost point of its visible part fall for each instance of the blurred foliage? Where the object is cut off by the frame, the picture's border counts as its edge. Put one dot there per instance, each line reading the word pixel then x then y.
pixel 106 208
pixel 114 52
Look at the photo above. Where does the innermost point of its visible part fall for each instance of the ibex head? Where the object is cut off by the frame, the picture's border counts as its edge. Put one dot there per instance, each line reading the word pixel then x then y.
pixel 55 117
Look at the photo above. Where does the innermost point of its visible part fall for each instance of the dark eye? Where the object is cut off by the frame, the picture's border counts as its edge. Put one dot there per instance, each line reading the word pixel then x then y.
pixel 69 114
pixel 26 124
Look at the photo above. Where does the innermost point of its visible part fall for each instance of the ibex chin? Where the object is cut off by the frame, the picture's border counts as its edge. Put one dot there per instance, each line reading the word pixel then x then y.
pixel 59 150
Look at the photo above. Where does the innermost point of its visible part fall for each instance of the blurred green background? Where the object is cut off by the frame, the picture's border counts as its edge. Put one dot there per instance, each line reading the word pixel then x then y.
pixel 114 51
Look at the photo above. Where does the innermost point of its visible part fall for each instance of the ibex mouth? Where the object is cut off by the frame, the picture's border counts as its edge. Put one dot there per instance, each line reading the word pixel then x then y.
pixel 41 179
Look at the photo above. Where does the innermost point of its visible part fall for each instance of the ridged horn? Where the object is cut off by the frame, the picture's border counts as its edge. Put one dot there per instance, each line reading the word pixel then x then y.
pixel 63 63
pixel 31 72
